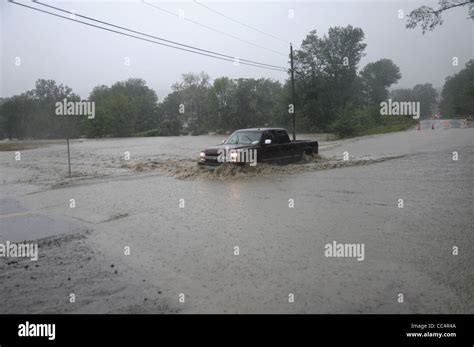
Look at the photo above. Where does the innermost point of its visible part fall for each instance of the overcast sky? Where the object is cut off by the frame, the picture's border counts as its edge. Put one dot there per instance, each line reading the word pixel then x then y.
pixel 83 57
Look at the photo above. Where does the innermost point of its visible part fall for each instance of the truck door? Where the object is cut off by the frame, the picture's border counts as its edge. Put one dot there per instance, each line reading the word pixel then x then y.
pixel 268 151
pixel 285 152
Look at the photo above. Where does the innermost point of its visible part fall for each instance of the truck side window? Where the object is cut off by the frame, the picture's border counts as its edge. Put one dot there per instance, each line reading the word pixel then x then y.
pixel 232 140
pixel 269 136
pixel 283 136
pixel 276 138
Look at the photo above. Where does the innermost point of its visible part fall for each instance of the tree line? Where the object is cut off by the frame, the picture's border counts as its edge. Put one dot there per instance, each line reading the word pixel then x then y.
pixel 333 94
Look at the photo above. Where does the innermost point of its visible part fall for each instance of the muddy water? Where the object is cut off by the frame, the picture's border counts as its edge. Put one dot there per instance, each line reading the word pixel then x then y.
pixel 171 156
pixel 187 169
pixel 190 250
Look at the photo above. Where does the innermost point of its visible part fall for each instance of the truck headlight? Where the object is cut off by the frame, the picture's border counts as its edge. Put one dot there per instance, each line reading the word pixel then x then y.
pixel 202 156
pixel 233 157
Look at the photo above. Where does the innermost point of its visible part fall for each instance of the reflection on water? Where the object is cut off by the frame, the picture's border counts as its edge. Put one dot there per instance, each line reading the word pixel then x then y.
pixel 29 227
pixel 235 190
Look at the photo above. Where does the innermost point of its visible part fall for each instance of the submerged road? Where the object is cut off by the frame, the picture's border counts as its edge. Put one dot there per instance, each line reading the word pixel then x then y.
pixel 239 246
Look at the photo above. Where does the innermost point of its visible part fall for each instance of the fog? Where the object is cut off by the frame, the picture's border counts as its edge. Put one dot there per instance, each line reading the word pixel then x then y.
pixel 83 57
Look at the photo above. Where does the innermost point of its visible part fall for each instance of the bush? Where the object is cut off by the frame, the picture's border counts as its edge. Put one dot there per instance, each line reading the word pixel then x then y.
pixel 358 122
pixel 151 132
pixel 351 121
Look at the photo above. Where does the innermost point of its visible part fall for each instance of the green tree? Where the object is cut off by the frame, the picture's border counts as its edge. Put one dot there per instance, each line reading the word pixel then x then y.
pixel 425 94
pixel 377 78
pixel 143 101
pixel 16 113
pixel 102 124
pixel 326 75
pixel 170 119
pixel 243 103
pixel 123 109
pixel 45 123
pixel 457 96
pixel 220 97
pixel 193 90
pixel 33 113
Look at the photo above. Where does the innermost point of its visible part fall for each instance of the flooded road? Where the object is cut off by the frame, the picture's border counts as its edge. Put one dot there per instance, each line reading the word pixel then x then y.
pixel 243 242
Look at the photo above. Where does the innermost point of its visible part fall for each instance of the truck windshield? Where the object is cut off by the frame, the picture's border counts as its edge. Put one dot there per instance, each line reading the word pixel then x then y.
pixel 244 137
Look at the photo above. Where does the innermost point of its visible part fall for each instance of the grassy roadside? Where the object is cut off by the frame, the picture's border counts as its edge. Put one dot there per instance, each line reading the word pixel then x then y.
pixel 388 128
pixel 19 145
pixel 15 146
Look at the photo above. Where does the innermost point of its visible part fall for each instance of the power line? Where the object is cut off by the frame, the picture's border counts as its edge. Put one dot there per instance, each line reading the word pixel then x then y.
pixel 211 55
pixel 159 38
pixel 214 29
pixel 239 22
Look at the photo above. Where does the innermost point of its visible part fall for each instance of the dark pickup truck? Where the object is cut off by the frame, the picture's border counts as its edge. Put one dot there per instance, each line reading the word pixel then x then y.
pixel 263 145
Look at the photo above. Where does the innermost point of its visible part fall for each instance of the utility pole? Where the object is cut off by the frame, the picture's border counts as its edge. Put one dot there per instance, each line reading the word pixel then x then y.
pixel 68 126
pixel 293 91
